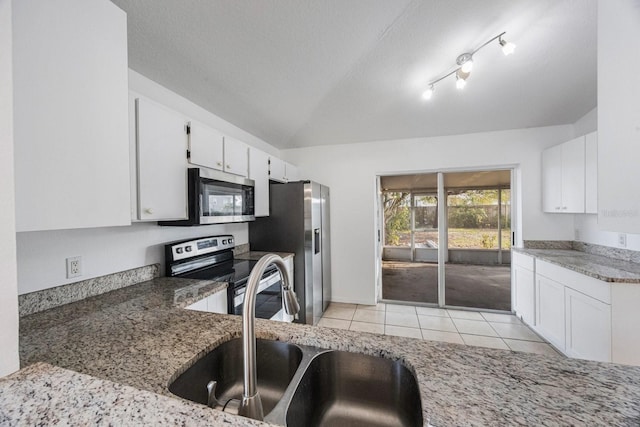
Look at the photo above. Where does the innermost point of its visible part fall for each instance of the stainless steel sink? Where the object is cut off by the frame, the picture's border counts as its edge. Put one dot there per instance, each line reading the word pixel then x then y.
pixel 276 362
pixel 309 386
pixel 349 389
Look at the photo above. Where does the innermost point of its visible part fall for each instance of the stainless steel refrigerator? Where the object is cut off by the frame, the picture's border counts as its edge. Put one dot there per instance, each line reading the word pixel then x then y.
pixel 298 222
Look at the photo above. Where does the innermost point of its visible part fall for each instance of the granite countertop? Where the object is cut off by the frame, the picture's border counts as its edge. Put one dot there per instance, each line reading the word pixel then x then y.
pixel 137 337
pixel 596 266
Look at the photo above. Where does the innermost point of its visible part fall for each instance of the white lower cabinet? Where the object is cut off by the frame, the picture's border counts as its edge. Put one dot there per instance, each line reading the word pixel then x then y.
pixel 588 327
pixel 550 311
pixel 579 315
pixel 216 303
pixel 523 287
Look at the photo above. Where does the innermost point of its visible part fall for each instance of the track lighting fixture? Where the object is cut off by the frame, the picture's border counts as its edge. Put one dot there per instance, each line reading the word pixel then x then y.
pixel 464 64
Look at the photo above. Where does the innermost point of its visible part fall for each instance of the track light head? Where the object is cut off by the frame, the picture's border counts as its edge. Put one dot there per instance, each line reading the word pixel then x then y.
pixel 465 61
pixel 507 47
pixel 427 94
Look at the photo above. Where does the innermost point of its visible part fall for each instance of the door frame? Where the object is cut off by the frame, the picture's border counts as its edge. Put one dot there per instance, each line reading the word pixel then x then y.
pixel 516 221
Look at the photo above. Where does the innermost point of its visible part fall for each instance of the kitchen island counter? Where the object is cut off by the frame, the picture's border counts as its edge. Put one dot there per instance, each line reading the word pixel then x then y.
pixel 140 337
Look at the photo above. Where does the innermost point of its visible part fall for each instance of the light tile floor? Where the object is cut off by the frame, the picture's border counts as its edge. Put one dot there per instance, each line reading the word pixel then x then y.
pixel 494 330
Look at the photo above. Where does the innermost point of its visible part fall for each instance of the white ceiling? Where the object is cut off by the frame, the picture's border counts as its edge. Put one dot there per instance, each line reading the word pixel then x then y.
pixel 300 73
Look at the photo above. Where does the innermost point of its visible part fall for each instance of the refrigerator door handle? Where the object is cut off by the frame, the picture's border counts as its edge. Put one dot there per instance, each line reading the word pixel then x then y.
pixel 316 238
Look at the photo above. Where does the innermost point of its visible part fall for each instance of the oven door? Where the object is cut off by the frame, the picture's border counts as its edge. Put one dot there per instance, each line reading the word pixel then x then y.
pixel 269 303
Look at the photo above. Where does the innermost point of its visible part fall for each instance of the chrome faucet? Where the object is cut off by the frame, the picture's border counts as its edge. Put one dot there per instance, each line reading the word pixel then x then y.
pixel 251 404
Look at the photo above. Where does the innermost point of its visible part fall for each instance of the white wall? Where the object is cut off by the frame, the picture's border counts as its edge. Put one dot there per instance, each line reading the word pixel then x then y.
pixel 350 171
pixel 41 255
pixel 9 361
pixel 587 224
pixel 586 124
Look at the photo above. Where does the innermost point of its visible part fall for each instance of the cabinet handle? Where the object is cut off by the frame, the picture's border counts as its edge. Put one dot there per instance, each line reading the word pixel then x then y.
pixel 219 163
pixel 564 208
pixel 228 166
pixel 557 208
pixel 148 211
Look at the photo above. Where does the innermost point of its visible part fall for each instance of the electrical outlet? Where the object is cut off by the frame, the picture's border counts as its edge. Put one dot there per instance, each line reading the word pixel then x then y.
pixel 74 267
pixel 576 233
pixel 622 240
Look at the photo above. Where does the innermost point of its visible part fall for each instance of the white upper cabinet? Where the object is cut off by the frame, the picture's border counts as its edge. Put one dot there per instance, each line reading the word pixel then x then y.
pixel 591 173
pixel 212 149
pixel 551 179
pixel 205 146
pixel 618 118
pixel 236 157
pixel 259 173
pixel 277 170
pixel 291 172
pixel 161 162
pixel 563 177
pixel 70 114
pixel 281 171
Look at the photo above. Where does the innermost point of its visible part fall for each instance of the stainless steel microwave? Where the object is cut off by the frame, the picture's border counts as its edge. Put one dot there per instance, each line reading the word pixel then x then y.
pixel 216 197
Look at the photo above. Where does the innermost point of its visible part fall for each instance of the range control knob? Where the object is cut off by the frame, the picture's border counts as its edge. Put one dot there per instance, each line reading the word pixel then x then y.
pixel 230 240
pixel 224 241
pixel 178 250
pixel 188 248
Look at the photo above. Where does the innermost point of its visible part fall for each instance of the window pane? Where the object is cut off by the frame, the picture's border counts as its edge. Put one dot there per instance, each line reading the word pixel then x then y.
pixel 473 219
pixel 397 219
pixel 426 221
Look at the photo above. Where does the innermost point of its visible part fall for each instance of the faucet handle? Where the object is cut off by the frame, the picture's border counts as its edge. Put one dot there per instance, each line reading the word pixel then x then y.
pixel 212 402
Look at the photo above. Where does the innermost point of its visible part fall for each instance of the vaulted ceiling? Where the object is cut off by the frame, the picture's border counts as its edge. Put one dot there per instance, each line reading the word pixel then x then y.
pixel 300 73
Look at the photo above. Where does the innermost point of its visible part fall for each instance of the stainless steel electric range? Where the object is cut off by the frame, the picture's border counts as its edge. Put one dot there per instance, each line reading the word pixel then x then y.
pixel 211 258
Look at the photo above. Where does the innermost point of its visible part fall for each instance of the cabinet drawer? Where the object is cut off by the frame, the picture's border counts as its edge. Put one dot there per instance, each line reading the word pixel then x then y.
pixel 587 285
pixel 522 260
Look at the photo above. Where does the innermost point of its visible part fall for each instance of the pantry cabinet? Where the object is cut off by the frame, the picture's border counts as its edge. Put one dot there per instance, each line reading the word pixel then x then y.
pixel 563 177
pixel 70 82
pixel 161 162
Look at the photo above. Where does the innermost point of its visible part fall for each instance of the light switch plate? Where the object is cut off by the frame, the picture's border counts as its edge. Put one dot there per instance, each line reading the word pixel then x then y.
pixel 622 240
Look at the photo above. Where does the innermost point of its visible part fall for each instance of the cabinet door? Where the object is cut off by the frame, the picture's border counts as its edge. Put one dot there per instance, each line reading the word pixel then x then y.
pixel 161 163
pixel 573 176
pixel 552 179
pixel 591 173
pixel 259 172
pixel 217 303
pixel 524 284
pixel 236 157
pixel 70 116
pixel 277 170
pixel 205 146
pixel 291 172
pixel 550 311
pixel 588 324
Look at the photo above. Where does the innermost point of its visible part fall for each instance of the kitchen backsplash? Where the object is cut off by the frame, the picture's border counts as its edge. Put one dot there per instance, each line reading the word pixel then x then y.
pixel 53 297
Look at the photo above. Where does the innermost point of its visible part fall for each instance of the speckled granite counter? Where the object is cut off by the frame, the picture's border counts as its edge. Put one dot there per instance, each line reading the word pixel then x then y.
pixel 53 396
pixel 597 266
pixel 136 336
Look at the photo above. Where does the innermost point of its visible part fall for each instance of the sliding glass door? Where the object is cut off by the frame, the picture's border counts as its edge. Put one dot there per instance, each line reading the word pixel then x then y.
pixel 447 239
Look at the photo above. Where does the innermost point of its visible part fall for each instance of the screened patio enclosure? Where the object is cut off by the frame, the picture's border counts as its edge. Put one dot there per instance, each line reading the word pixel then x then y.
pixel 447 238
